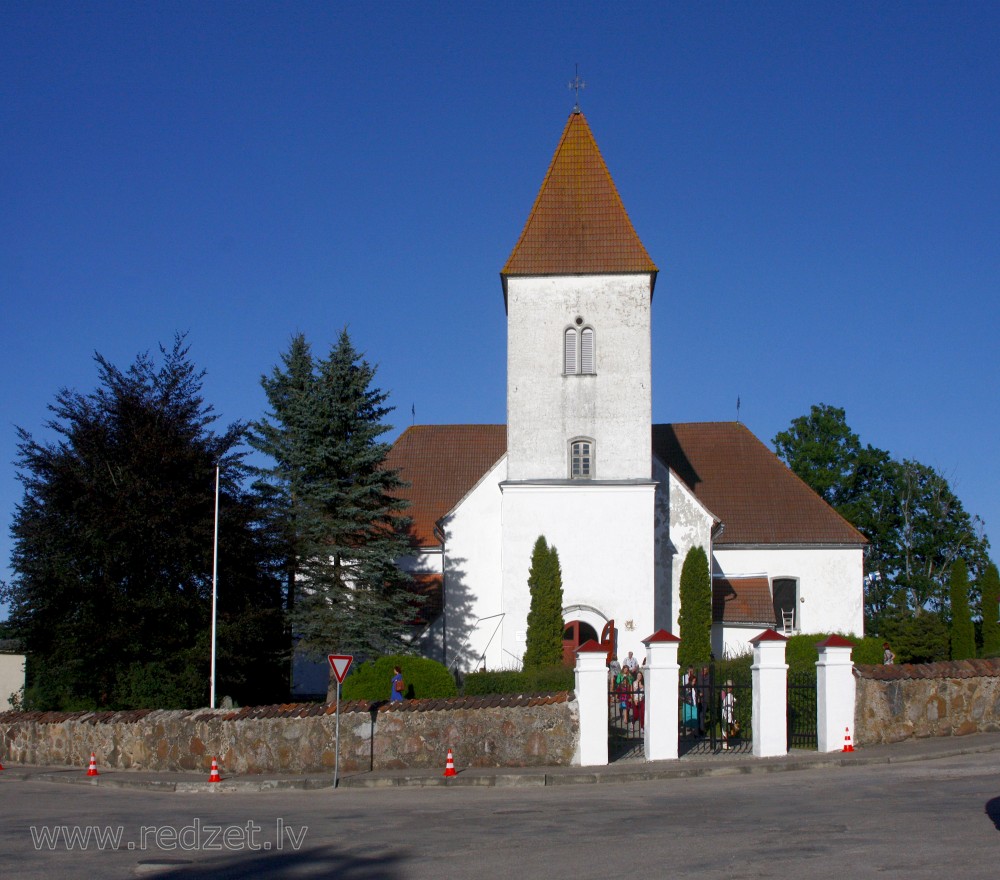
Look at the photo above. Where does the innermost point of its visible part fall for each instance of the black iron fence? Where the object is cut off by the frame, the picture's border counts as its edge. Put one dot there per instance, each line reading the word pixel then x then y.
pixel 802 731
pixel 715 710
pixel 626 718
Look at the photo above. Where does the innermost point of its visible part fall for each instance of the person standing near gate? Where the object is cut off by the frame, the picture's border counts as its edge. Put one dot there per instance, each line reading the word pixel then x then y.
pixel 728 712
pixel 639 699
pixel 702 690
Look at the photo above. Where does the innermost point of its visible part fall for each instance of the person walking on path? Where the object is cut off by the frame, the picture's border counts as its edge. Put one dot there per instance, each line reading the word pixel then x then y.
pixel 398 686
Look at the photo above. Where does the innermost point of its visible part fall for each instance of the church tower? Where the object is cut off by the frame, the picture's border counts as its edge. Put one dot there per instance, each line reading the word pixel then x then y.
pixel 578 288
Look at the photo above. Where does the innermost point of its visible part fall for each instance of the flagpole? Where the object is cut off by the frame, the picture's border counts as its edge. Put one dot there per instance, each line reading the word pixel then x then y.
pixel 215 584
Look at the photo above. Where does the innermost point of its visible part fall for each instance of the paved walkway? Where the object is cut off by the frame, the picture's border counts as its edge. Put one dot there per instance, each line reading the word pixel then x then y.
pixel 623 771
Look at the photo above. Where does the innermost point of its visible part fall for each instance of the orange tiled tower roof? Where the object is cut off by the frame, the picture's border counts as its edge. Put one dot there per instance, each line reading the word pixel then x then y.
pixel 578 224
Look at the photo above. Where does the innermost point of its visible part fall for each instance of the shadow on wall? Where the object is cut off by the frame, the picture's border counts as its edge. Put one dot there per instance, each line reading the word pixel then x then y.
pixel 993 811
pixel 458 625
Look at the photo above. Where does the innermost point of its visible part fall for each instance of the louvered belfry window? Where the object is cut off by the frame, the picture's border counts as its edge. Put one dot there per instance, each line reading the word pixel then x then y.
pixel 581 459
pixel 587 350
pixel 578 352
pixel 569 352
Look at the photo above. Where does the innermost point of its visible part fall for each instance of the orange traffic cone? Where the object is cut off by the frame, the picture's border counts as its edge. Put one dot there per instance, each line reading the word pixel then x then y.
pixel 449 767
pixel 848 745
pixel 214 775
pixel 92 769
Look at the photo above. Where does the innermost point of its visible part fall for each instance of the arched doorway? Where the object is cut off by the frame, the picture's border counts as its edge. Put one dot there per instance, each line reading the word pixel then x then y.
pixel 575 634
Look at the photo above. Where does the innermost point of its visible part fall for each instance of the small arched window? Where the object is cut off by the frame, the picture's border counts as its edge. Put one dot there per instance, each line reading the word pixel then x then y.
pixel 569 352
pixel 578 352
pixel 587 350
pixel 581 459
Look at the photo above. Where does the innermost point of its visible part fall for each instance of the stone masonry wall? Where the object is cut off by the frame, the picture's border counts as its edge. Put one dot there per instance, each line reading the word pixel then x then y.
pixel 498 731
pixel 930 699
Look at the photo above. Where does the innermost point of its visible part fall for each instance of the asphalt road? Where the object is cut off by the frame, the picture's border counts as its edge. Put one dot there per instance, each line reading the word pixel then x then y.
pixel 918 820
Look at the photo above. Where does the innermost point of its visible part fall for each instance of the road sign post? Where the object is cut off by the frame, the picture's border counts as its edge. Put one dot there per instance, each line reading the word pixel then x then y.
pixel 339 663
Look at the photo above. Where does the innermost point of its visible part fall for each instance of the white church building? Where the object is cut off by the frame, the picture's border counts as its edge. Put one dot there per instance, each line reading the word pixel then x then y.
pixel 580 462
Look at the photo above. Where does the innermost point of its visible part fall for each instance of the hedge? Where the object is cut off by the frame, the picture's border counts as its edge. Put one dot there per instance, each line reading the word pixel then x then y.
pixel 423 679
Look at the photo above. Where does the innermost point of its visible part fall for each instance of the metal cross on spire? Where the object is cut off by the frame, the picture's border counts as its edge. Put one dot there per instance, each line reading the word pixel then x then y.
pixel 576 84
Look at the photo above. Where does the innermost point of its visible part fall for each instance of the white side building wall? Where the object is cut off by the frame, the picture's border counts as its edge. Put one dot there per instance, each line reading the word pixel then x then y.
pixel 830 589
pixel 11 678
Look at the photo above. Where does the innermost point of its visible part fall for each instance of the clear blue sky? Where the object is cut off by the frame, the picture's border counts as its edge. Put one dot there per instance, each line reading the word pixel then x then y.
pixel 818 183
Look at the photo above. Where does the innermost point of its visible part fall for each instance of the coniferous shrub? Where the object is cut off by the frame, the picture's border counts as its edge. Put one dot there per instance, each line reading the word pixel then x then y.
pixel 695 617
pixel 963 634
pixel 990 590
pixel 919 639
pixel 543 643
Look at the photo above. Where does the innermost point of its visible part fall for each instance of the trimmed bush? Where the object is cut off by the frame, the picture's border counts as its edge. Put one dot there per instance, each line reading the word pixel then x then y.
pixel 423 678
pixel 542 680
pixel 801 653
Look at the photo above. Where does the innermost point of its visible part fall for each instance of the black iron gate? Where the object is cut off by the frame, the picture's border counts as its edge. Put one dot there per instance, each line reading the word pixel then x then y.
pixel 802 730
pixel 626 718
pixel 715 711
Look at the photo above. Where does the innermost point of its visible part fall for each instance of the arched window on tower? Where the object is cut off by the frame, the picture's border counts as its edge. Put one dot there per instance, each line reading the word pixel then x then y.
pixel 581 459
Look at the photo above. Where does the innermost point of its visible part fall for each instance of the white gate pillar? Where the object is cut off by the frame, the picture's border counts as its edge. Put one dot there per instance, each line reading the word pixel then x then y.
pixel 662 681
pixel 769 674
pixel 592 697
pixel 835 688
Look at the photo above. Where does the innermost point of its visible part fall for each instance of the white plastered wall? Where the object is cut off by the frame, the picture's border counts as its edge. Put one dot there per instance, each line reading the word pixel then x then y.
pixel 545 408
pixel 472 564
pixel 830 585
pixel 604 535
pixel 11 678
pixel 682 522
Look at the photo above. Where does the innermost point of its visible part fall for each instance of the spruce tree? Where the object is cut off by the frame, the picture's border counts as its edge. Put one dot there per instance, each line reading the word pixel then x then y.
pixel 963 634
pixel 990 587
pixel 543 645
pixel 333 505
pixel 695 618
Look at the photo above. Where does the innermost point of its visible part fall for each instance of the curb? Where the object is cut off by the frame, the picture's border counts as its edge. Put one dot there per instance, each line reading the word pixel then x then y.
pixel 476 779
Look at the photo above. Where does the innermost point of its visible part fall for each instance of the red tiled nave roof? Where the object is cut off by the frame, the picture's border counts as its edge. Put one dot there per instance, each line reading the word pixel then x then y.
pixel 736 477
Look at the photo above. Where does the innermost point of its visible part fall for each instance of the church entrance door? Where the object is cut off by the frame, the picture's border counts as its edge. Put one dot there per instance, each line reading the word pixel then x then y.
pixel 575 634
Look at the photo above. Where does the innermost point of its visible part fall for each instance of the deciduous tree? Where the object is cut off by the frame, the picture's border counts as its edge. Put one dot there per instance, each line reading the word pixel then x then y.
pixel 915 524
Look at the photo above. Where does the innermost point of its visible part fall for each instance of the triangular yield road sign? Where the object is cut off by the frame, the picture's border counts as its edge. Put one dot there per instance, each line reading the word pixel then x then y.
pixel 340 664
